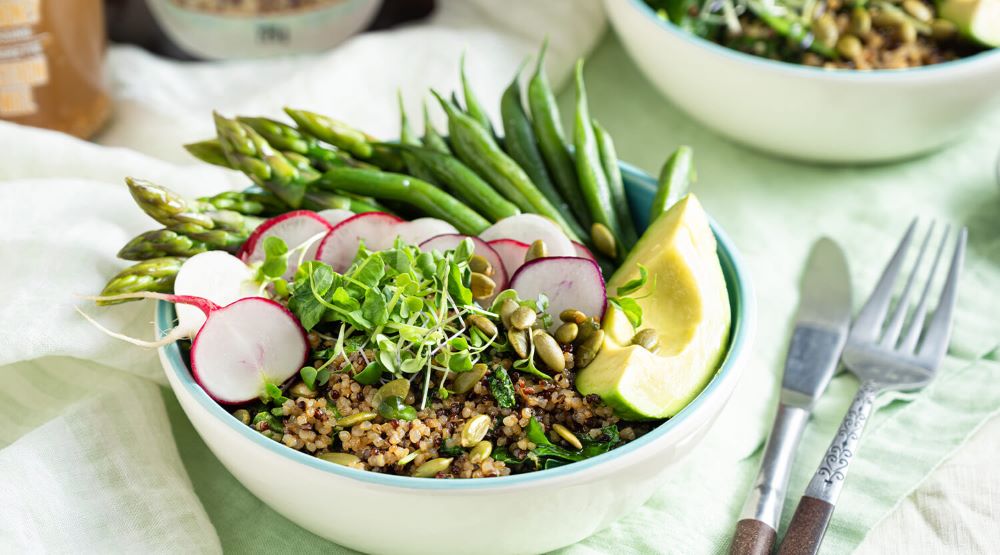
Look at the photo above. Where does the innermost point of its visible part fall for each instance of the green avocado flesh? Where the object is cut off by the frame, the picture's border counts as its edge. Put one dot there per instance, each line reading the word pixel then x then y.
pixel 978 20
pixel 686 303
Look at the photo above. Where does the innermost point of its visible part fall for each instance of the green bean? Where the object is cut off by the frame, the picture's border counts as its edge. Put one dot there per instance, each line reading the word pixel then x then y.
pixel 548 131
pixel 463 182
pixel 478 149
pixel 675 179
pixel 609 159
pixel 432 139
pixel 520 143
pixel 472 104
pixel 317 200
pixel 414 166
pixel 589 170
pixel 420 194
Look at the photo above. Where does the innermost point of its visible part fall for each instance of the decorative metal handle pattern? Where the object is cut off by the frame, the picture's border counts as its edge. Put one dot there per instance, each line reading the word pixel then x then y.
pixel 828 481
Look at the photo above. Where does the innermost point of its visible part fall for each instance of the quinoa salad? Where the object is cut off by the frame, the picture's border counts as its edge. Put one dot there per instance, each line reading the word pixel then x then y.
pixel 836 34
pixel 435 307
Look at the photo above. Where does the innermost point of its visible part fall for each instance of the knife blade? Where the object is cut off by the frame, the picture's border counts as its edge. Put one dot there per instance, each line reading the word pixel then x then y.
pixel 821 326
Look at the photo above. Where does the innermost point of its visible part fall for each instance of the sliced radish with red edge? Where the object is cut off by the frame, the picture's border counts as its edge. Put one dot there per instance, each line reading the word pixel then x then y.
pixel 243 346
pixel 338 248
pixel 419 230
pixel 213 275
pixel 334 216
pixel 294 228
pixel 583 252
pixel 568 282
pixel 511 253
pixel 482 248
pixel 528 228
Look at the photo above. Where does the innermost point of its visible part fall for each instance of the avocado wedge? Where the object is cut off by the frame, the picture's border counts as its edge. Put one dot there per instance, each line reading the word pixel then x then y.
pixel 979 20
pixel 688 307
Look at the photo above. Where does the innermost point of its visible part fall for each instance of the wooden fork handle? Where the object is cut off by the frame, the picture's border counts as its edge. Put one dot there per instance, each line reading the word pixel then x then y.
pixel 812 516
pixel 752 537
pixel 805 532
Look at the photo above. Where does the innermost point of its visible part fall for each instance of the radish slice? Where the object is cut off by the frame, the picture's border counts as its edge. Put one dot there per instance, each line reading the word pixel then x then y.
pixel 482 248
pixel 568 282
pixel 334 216
pixel 338 248
pixel 528 228
pixel 295 228
pixel 511 253
pixel 583 252
pixel 214 275
pixel 245 345
pixel 422 229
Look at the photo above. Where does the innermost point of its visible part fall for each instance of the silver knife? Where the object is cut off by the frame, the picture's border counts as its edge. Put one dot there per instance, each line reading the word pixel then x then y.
pixel 821 326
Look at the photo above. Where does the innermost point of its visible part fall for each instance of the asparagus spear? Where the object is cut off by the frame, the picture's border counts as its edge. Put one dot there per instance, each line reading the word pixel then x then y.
pixel 248 152
pixel 209 151
pixel 248 203
pixel 173 210
pixel 160 243
pixel 156 275
pixel 346 138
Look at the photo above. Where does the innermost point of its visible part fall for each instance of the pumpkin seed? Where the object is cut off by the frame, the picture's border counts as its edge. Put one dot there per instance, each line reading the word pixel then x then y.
pixel 888 18
pixel 569 436
pixel 432 468
pixel 356 418
pixel 604 240
pixel 548 350
pixel 825 30
pixel 479 264
pixel 519 342
pixel 566 333
pixel 480 452
pixel 482 286
pixel 586 329
pixel 483 323
pixel 475 430
pixel 918 10
pixel 861 21
pixel 588 350
pixel 849 46
pixel 647 339
pixel 522 318
pixel 538 249
pixel 243 415
pixel 343 459
pixel 465 381
pixel 399 387
pixel 906 32
pixel 507 307
pixel 573 315
pixel 942 29
pixel 302 390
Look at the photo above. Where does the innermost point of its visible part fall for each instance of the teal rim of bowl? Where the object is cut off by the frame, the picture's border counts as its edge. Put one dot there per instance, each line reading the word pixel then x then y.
pixel 813 71
pixel 640 188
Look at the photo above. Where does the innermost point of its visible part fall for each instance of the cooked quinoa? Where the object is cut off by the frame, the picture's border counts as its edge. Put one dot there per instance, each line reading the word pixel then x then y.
pixel 308 424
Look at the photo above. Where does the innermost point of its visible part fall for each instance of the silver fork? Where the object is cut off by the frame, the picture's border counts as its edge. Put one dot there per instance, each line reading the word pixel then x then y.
pixel 882 361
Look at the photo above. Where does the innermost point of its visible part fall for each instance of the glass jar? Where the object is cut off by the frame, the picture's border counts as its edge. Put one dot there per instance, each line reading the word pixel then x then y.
pixel 51 65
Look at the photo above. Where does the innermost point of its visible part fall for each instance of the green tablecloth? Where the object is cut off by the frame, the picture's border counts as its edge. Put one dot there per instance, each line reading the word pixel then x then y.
pixel 773 209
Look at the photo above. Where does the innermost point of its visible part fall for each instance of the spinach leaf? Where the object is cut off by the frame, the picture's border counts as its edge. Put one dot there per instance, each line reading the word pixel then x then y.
pixel 501 387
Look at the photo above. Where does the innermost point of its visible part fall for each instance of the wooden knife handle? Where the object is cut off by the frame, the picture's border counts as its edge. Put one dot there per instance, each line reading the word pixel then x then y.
pixel 805 532
pixel 752 537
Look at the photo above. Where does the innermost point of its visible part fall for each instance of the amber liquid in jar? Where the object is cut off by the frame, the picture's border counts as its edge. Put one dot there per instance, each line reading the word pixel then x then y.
pixel 51 65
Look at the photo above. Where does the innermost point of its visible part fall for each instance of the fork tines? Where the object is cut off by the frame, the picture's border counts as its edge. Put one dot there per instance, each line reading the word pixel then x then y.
pixel 927 344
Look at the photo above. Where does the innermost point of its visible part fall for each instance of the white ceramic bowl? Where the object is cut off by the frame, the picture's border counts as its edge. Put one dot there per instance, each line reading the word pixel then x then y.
pixel 527 513
pixel 805 112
